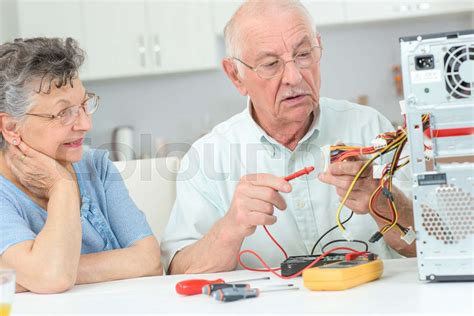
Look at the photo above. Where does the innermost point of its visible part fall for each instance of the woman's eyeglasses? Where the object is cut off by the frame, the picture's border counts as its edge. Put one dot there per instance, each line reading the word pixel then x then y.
pixel 69 115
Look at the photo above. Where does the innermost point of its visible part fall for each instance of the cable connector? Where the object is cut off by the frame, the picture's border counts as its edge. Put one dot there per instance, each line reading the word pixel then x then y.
pixel 371 256
pixel 403 107
pixel 354 255
pixel 375 237
pixel 410 236
pixel 347 235
pixel 379 143
pixel 387 194
pixel 327 157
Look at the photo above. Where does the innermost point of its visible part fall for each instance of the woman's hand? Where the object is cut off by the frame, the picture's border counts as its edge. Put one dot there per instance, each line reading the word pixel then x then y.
pixel 39 173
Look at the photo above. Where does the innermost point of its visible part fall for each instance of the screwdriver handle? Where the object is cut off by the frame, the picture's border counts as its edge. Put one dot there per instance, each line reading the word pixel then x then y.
pixel 234 294
pixel 193 287
pixel 208 289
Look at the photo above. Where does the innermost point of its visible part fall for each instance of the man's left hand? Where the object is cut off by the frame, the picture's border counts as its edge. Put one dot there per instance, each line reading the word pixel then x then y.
pixel 341 175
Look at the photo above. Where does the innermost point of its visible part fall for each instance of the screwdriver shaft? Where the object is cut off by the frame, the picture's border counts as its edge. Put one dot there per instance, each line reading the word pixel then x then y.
pixel 248 280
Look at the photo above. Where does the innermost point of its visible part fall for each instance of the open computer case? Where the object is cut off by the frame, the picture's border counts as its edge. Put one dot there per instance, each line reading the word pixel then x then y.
pixel 438 80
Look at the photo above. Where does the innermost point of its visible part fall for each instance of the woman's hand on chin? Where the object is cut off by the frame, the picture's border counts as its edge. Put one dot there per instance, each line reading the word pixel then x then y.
pixel 40 174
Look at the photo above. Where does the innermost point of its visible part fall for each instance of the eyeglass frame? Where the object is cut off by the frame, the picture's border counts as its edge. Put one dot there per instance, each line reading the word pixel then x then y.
pixel 89 95
pixel 254 69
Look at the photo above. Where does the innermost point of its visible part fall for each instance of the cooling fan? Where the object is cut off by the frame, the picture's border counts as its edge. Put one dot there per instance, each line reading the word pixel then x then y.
pixel 459 71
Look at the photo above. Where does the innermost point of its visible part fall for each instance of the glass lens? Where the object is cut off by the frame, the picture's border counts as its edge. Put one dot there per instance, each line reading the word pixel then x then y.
pixel 67 116
pixel 270 69
pixel 90 106
pixel 304 59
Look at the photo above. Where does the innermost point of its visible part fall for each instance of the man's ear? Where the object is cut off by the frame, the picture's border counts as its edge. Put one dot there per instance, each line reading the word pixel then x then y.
pixel 9 129
pixel 318 38
pixel 232 72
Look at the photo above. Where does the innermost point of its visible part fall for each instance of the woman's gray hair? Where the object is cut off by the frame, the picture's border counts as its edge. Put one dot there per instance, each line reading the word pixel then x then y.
pixel 255 9
pixel 29 66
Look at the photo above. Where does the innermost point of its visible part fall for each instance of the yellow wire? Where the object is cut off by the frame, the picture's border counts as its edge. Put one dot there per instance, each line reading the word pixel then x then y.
pixel 357 176
pixel 383 219
pixel 351 187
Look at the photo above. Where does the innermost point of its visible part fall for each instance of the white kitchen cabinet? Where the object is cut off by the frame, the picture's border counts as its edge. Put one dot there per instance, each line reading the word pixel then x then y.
pixel 116 39
pixel 51 18
pixel 363 11
pixel 326 12
pixel 3 26
pixel 127 37
pixel 222 11
pixel 180 35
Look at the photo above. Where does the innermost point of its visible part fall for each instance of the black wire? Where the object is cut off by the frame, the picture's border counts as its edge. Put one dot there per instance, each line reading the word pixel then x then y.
pixel 327 232
pixel 343 240
pixel 352 213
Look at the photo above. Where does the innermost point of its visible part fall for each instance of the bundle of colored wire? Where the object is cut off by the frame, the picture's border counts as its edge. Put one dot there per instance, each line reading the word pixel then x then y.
pixel 391 142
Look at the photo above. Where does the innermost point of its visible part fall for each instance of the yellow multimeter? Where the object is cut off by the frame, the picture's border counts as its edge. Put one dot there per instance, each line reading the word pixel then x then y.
pixel 342 275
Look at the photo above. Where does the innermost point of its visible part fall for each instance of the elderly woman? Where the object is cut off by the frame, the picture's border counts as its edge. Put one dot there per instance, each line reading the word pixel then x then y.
pixel 65 215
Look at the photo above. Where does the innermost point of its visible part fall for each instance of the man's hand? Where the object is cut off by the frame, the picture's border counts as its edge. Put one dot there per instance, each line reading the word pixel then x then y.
pixel 253 203
pixel 341 175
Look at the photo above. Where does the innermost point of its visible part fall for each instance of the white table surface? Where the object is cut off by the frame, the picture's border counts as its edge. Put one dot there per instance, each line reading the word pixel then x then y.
pixel 398 291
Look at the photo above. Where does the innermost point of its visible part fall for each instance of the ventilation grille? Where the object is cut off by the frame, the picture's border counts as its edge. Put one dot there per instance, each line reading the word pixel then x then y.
pixel 455 216
pixel 459 71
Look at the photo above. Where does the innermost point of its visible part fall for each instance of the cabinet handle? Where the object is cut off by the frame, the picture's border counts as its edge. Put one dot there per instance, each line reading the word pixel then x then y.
pixel 142 50
pixel 157 50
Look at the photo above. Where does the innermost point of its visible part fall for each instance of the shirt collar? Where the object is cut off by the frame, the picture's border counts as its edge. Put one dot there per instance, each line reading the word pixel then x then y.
pixel 269 142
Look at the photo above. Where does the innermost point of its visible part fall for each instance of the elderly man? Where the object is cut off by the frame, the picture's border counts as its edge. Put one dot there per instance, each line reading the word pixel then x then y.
pixel 231 182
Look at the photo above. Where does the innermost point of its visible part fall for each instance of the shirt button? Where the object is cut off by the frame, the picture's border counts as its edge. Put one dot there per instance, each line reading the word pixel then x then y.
pixel 301 204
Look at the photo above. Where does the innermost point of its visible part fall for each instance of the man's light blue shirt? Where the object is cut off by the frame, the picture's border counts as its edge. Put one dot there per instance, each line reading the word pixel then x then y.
pixel 212 168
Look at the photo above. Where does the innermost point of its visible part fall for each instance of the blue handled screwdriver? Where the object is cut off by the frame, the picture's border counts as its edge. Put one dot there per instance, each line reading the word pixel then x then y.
pixel 209 289
pixel 232 294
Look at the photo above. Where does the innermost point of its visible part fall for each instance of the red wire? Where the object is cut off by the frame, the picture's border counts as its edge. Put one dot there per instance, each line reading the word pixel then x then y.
pixel 276 242
pixel 268 269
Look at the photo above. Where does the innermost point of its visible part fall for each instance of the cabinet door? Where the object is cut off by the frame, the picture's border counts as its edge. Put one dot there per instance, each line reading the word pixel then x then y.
pixel 115 38
pixel 181 35
pixel 222 11
pixel 325 12
pixel 51 18
pixel 443 6
pixel 357 10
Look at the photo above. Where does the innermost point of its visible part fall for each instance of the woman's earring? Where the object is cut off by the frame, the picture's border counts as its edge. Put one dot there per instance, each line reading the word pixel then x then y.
pixel 15 142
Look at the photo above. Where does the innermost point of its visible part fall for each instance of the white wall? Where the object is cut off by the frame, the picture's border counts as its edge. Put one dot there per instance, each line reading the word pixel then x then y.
pixel 357 60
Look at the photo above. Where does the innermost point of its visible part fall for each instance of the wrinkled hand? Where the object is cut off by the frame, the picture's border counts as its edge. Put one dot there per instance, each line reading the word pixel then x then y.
pixel 39 173
pixel 341 175
pixel 254 200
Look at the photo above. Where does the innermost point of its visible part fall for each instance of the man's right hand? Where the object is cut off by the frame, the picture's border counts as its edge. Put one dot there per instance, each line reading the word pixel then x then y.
pixel 253 203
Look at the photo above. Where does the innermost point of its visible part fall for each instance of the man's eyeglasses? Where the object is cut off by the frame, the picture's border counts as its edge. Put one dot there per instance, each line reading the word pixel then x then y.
pixel 69 115
pixel 275 67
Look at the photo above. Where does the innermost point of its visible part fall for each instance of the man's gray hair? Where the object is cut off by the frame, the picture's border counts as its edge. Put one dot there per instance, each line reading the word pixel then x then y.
pixel 255 9
pixel 29 66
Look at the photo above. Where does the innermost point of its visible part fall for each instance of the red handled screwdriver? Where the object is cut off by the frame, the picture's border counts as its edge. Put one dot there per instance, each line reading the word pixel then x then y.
pixel 193 287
